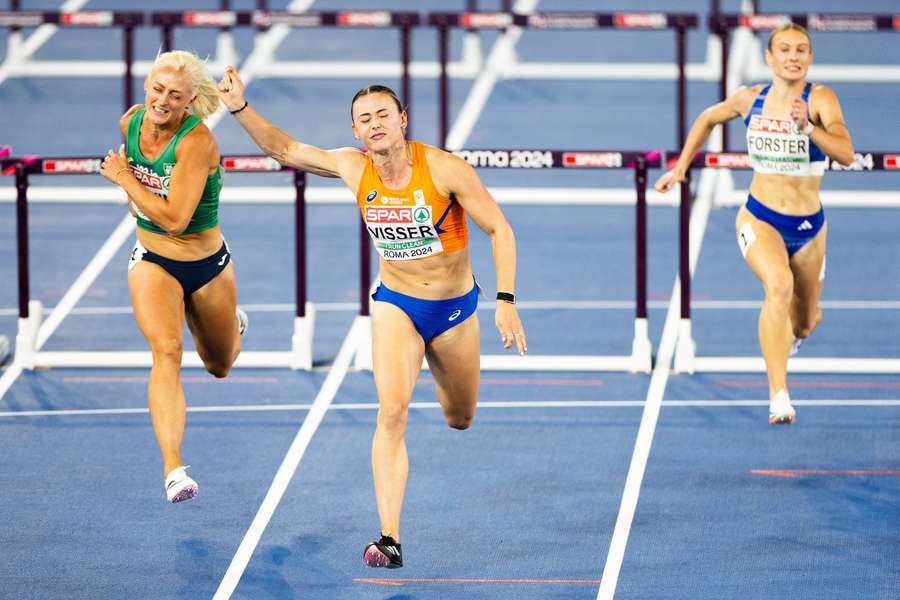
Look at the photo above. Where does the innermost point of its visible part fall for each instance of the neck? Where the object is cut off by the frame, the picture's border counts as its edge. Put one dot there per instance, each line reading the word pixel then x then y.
pixel 784 88
pixel 394 163
pixel 166 129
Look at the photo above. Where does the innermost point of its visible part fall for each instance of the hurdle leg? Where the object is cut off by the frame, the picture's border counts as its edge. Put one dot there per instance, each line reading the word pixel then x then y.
pixel 26 338
pixel 302 340
pixel 641 348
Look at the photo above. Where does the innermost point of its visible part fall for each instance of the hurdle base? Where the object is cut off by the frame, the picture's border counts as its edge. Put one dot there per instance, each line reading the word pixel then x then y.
pixel 26 338
pixel 741 364
pixel 302 340
pixel 641 348
pixel 685 348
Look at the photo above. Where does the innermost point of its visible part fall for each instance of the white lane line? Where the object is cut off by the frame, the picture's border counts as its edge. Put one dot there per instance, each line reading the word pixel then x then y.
pixel 8 378
pixel 524 305
pixel 290 463
pixel 500 405
pixel 699 216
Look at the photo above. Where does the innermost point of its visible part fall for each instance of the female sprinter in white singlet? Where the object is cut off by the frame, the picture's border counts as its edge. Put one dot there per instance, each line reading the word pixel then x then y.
pixel 792 125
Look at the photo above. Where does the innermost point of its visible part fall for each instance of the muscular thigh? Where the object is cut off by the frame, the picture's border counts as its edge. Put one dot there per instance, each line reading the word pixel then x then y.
pixel 807 264
pixel 211 310
pixel 454 358
pixel 157 301
pixel 762 246
pixel 397 353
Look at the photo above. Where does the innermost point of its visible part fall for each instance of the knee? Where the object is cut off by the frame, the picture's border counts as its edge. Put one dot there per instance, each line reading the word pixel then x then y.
pixel 806 325
pixel 460 421
pixel 217 369
pixel 780 287
pixel 392 418
pixel 167 350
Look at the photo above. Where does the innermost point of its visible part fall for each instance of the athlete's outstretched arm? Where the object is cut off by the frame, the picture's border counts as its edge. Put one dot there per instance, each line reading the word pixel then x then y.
pixel 278 144
pixel 831 134
pixel 722 112
pixel 457 177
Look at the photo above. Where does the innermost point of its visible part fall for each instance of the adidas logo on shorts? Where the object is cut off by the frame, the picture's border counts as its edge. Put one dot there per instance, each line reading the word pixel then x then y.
pixel 804 226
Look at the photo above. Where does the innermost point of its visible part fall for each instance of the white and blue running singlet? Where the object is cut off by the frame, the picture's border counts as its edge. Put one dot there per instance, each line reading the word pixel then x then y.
pixel 777 147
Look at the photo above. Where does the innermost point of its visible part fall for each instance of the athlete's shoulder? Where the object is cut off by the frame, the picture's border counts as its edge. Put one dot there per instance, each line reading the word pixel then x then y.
pixel 751 91
pixel 437 157
pixel 124 119
pixel 820 91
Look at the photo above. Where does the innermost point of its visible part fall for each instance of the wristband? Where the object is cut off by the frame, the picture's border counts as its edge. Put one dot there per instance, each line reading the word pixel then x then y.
pixel 246 104
pixel 807 131
pixel 506 297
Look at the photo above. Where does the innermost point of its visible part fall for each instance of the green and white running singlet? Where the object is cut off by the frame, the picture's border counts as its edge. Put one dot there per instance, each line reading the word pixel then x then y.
pixel 154 176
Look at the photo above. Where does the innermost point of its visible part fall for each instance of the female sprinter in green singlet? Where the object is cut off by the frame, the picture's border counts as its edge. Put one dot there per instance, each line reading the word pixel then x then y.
pixel 180 268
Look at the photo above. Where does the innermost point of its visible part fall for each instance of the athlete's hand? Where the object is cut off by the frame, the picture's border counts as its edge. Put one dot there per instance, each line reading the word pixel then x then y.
pixel 799 113
pixel 114 167
pixel 669 179
pixel 510 327
pixel 231 89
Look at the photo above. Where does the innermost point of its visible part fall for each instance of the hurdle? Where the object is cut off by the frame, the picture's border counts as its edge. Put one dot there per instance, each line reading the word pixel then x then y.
pixel 16 64
pixel 263 20
pixel 580 21
pixel 33 332
pixel 640 359
pixel 686 360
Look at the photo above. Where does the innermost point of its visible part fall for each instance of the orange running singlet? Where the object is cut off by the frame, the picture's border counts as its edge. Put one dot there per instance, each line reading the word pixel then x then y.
pixel 414 222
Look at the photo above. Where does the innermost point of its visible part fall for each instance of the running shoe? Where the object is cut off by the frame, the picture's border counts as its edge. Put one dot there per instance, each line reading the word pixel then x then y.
pixel 795 346
pixel 780 410
pixel 179 486
pixel 383 553
pixel 243 321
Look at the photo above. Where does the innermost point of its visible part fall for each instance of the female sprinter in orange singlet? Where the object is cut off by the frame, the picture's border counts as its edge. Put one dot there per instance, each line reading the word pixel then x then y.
pixel 414 199
pixel 791 126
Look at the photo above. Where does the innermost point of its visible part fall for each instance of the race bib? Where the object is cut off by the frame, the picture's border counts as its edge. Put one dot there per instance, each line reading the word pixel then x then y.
pixel 403 232
pixel 776 147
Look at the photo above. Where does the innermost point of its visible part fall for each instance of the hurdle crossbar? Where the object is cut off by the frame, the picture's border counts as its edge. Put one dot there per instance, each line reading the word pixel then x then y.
pixel 640 359
pixel 126 20
pixel 263 20
pixel 31 336
pixel 686 361
pixel 444 21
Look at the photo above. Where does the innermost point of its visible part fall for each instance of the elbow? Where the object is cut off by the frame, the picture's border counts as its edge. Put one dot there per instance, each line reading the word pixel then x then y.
pixel 175 228
pixel 847 157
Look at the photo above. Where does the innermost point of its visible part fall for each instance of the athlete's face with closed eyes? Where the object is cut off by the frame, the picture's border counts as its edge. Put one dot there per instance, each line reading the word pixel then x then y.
pixel 378 122
pixel 168 95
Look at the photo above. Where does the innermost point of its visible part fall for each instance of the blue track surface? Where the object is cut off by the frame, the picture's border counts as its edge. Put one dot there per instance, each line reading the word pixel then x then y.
pixel 525 503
